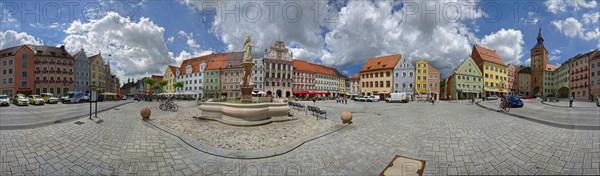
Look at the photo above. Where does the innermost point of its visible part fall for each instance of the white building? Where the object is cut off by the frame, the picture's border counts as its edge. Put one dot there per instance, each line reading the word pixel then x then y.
pixel 258 73
pixel 278 71
pixel 191 73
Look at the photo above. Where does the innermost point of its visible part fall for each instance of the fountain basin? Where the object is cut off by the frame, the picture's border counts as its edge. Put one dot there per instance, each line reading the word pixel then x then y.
pixel 250 114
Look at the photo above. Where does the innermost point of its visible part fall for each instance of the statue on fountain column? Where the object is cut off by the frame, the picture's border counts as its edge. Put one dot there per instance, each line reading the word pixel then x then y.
pixel 247 50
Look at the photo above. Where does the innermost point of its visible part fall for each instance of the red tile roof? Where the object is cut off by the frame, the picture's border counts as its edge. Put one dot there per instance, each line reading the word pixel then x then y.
pixel 488 55
pixel 381 63
pixel 157 77
pixel 173 69
pixel 38 50
pixel 356 76
pixel 94 57
pixel 301 65
pixel 550 67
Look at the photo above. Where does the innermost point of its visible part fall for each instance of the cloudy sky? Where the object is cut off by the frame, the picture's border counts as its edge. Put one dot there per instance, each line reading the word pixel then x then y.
pixel 144 36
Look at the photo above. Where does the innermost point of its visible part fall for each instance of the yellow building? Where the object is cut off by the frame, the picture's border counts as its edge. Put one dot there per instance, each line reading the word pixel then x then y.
pixel 169 76
pixel 376 76
pixel 98 73
pixel 421 82
pixel 495 79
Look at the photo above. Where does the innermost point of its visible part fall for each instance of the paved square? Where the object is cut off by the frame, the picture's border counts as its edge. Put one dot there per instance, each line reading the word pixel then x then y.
pixel 454 138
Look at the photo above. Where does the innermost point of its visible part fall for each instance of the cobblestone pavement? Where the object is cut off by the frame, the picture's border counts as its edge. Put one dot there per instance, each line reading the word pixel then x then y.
pixel 585 114
pixel 454 138
pixel 34 114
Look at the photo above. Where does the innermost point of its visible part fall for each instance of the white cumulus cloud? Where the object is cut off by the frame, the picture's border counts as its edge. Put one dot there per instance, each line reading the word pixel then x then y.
pixel 570 27
pixel 557 6
pixel 136 49
pixel 591 17
pixel 508 43
pixel 12 38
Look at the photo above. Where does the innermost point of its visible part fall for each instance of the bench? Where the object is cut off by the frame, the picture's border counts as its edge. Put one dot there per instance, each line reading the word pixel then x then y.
pixel 296 106
pixel 319 113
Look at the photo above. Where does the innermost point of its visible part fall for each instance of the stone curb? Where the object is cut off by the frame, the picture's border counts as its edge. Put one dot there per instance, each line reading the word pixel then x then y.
pixel 552 124
pixel 565 106
pixel 251 154
pixel 58 121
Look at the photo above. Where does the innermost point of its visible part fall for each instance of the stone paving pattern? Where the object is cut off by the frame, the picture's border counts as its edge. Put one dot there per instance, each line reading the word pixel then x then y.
pixel 454 138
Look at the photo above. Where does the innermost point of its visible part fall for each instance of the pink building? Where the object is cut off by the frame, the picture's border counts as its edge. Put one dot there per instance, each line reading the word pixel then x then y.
pixel 579 86
pixel 595 74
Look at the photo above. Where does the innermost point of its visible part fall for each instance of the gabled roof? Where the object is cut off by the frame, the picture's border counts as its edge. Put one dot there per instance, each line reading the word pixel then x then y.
pixel 38 50
pixel 157 77
pixel 356 76
pixel 551 67
pixel 78 53
pixel 301 65
pixel 94 57
pixel 216 62
pixel 172 69
pixel 381 63
pixel 487 55
pixel 525 70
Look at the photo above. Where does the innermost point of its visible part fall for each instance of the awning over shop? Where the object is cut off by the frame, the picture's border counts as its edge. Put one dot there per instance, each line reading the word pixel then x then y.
pixel 310 92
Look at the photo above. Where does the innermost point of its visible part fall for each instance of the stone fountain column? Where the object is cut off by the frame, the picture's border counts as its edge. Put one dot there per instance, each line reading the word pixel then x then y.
pixel 247 87
pixel 246 84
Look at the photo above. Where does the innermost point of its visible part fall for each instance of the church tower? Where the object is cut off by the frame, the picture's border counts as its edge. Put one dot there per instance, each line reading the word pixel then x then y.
pixel 539 61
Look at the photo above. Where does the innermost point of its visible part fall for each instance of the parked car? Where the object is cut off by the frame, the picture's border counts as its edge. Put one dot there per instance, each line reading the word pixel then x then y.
pixel 493 97
pixel 20 99
pixel 49 98
pixel 35 100
pixel 529 97
pixel 124 97
pixel 515 102
pixel 360 98
pixel 373 98
pixel 73 97
pixel 397 97
pixel 4 100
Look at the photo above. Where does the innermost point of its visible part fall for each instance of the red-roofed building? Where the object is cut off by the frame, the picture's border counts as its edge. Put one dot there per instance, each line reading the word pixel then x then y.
pixel 580 75
pixel 33 69
pixel 310 78
pixel 169 76
pixel 376 75
pixel 495 79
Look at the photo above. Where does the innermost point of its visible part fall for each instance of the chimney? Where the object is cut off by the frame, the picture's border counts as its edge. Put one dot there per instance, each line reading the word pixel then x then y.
pixel 62 47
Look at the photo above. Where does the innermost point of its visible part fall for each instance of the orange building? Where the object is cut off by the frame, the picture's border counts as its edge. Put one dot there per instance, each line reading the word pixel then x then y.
pixel 434 82
pixel 376 75
pixel 32 69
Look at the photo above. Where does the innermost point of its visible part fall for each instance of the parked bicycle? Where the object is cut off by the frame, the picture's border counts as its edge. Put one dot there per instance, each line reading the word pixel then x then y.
pixel 169 105
pixel 505 106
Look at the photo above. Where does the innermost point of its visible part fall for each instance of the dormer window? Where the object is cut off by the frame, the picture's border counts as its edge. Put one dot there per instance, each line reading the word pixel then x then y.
pixel 39 52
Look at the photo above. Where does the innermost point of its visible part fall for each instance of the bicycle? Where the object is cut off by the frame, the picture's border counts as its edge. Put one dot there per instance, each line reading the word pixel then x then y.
pixel 505 106
pixel 168 105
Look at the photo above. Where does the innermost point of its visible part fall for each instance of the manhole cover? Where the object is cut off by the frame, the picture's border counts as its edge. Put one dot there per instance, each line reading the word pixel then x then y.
pixel 401 165
pixel 79 122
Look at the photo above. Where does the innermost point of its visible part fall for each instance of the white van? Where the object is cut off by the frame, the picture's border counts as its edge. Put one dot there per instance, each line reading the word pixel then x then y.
pixel 397 97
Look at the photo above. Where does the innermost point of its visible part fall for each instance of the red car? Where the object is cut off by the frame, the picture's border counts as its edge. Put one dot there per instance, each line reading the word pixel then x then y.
pixel 529 97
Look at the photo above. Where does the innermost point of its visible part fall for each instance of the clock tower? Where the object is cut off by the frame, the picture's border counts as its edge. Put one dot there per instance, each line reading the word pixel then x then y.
pixel 539 61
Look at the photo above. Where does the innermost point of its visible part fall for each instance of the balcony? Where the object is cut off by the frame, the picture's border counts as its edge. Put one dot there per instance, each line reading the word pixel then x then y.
pixel 51 62
pixel 44 62
pixel 58 71
pixel 36 71
pixel 36 61
pixel 51 81
pixel 52 71
pixel 37 81
pixel 45 71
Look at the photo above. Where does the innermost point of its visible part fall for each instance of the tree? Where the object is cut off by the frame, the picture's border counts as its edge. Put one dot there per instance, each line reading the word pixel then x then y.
pixel 162 84
pixel 178 85
pixel 442 83
pixel 150 82
pixel 158 88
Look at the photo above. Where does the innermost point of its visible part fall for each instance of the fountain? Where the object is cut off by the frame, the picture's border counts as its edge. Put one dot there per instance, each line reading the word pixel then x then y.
pixel 247 112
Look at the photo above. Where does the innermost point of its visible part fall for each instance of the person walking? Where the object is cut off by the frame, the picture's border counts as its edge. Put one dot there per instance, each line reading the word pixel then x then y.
pixel 571 101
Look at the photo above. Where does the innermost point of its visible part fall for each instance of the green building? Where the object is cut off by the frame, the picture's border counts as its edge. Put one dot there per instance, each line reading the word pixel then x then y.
pixel 465 82
pixel 212 83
